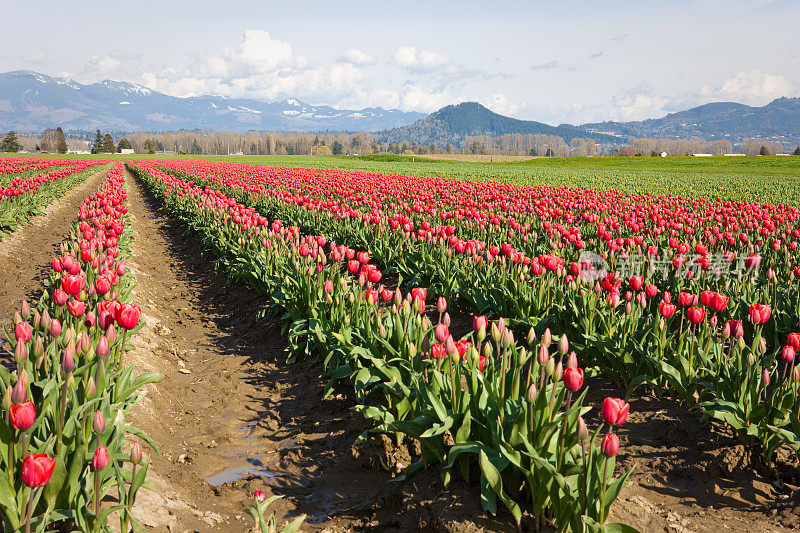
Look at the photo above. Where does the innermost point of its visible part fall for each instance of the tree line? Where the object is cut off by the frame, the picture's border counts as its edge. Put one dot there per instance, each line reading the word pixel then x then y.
pixel 332 143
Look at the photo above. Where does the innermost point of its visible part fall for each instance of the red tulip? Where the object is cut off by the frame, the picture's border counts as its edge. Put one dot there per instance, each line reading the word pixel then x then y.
pixel 479 323
pixel 37 469
pixel 666 309
pixel 686 299
pixel 353 266
pixel 76 308
pixel 128 316
pixel 60 297
pixel 719 302
pixel 696 314
pixel 22 332
pixel 100 459
pixel 635 282
pixel 615 411
pixel 707 297
pixel 260 495
pixel 441 332
pixel 794 341
pixel 610 445
pixel 102 286
pixel 760 313
pixel 787 354
pixel 573 378
pixel 22 415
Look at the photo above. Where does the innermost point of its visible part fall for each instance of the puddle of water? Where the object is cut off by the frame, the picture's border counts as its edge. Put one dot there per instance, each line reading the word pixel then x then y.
pixel 255 467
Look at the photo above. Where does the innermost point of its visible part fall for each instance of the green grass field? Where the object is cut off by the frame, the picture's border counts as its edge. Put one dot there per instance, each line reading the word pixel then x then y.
pixel 773 180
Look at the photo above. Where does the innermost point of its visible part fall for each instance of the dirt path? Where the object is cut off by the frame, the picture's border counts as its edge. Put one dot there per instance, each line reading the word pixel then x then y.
pixel 27 253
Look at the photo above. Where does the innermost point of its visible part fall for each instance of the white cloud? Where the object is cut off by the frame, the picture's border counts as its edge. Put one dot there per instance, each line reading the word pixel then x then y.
pixel 356 57
pixel 753 87
pixel 259 52
pixel 500 104
pixel 638 103
pixel 417 98
pixel 424 61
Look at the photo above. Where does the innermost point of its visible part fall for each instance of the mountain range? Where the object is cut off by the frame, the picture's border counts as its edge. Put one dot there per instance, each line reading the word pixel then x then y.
pixel 31 102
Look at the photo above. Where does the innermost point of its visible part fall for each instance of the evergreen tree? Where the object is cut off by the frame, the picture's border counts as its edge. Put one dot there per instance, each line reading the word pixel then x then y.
pixel 338 149
pixel 108 144
pixel 124 144
pixel 150 148
pixel 97 144
pixel 61 141
pixel 797 151
pixel 763 151
pixel 10 143
pixel 196 150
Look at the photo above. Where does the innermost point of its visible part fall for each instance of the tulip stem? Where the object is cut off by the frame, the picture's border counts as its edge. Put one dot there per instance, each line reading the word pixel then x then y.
pixel 29 513
pixel 11 444
pixel 61 414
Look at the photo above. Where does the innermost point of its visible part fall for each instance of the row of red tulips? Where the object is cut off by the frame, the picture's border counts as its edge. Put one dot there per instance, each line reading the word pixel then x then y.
pixel 18 165
pixel 27 195
pixel 513 409
pixel 30 185
pixel 63 436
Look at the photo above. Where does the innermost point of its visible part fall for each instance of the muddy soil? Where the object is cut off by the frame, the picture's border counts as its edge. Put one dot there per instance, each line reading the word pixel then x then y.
pixel 26 254
pixel 231 417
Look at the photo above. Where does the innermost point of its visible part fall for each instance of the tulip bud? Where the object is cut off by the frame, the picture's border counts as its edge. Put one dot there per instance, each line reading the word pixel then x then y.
pixel 487 350
pixel 111 334
pixel 507 338
pixel 441 332
pixel 90 391
pixel 796 373
pixel 412 350
pixel 610 445
pixel 21 352
pixel 100 459
pixel 750 359
pixel 136 453
pixel 441 304
pixel 582 430
pixel 544 355
pixel 547 338
pixel 99 423
pixel 450 346
pixel 532 393
pixel 563 344
pixel 26 309
pixel 558 372
pixel 7 398
pixel 550 367
pixel 20 391
pixel 495 332
pixel 531 337
pixel 765 377
pixel 572 360
pixel 726 331
pixel 68 359
pixel 522 356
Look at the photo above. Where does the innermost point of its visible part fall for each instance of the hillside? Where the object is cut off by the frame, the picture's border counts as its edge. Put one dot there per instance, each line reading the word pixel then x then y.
pixel 453 123
pixel 779 120
pixel 32 102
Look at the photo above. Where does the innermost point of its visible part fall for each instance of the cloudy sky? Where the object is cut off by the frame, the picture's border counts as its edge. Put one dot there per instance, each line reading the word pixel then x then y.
pixel 556 62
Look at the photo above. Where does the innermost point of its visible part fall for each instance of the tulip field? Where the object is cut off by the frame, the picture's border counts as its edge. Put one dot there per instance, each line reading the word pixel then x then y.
pixel 469 320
